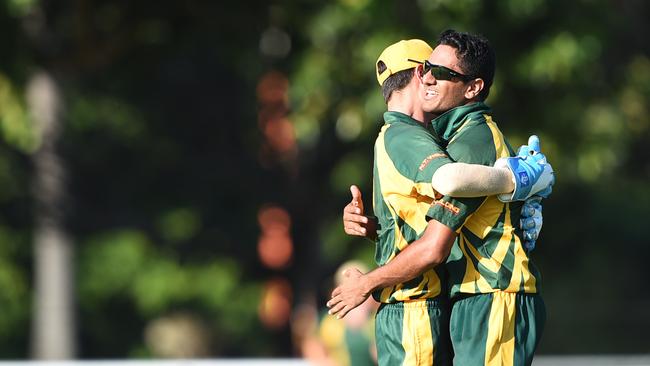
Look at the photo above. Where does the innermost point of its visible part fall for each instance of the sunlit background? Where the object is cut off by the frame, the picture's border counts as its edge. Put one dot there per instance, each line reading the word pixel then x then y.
pixel 172 173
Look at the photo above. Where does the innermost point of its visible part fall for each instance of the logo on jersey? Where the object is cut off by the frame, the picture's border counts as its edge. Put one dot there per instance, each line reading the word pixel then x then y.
pixel 448 206
pixel 428 159
pixel 523 178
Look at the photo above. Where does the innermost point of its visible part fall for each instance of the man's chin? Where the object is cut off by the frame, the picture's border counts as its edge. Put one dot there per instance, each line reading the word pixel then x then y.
pixel 429 108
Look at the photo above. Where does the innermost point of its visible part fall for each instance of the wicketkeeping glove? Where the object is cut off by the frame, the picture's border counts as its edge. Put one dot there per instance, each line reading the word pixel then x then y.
pixel 531 221
pixel 533 175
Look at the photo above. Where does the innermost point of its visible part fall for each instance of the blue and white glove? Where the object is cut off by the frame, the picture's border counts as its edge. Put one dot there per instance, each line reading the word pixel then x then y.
pixel 533 175
pixel 531 221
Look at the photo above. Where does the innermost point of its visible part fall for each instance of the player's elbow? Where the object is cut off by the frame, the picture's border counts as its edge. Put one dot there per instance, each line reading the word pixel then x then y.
pixel 445 187
pixel 436 241
pixel 436 256
pixel 445 181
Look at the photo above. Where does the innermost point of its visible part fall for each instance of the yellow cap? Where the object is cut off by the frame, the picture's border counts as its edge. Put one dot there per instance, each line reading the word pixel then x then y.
pixel 396 57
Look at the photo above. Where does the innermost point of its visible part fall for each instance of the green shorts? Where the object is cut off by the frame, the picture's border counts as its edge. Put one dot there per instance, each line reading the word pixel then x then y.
pixel 413 333
pixel 499 328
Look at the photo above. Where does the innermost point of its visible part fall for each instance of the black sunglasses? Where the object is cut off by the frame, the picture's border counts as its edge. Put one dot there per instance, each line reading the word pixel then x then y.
pixel 441 72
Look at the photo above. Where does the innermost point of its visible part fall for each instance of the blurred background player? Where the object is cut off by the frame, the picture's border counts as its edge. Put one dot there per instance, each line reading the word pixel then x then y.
pixel 348 342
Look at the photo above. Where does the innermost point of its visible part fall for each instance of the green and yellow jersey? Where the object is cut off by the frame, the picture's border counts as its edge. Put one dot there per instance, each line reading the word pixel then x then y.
pixel 488 255
pixel 406 156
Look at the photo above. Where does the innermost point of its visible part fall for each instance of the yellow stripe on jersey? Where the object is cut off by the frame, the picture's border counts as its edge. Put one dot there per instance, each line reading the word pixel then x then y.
pixel 417 339
pixel 499 142
pixel 398 190
pixel 497 136
pixel 520 271
pixel 483 222
pixel 459 130
pixel 408 201
pixel 493 263
pixel 485 217
pixel 386 293
pixel 429 279
pixel 500 345
pixel 472 278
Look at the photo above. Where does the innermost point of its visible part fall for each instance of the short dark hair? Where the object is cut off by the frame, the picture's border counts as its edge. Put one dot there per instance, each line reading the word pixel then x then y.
pixel 397 81
pixel 477 58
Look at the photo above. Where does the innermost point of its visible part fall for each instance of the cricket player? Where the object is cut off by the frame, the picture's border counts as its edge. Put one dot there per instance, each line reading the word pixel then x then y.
pixel 412 323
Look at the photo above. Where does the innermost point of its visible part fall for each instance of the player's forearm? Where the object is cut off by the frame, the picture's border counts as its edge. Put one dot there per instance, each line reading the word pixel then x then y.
pixel 427 252
pixel 407 265
pixel 472 180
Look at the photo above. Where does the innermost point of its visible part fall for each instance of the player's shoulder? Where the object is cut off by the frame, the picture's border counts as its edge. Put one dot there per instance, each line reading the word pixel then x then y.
pixel 402 135
pixel 478 128
pixel 479 141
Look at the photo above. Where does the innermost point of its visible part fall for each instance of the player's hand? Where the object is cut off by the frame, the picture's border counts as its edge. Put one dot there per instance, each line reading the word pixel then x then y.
pixel 531 221
pixel 349 294
pixel 354 221
pixel 532 173
pixel 534 147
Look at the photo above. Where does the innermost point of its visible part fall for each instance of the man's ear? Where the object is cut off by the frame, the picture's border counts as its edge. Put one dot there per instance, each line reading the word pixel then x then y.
pixel 417 74
pixel 474 88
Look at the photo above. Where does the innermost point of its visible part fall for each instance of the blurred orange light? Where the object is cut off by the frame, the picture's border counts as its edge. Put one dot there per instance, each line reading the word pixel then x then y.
pixel 273 87
pixel 275 250
pixel 280 135
pixel 270 112
pixel 275 306
pixel 274 218
pixel 275 247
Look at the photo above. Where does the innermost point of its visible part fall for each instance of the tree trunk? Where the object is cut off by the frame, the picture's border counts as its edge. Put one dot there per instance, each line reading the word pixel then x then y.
pixel 54 320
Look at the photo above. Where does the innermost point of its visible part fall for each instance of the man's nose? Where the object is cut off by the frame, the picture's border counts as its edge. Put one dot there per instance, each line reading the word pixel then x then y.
pixel 428 78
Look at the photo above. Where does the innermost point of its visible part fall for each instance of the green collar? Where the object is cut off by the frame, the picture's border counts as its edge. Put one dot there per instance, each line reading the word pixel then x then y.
pixel 448 123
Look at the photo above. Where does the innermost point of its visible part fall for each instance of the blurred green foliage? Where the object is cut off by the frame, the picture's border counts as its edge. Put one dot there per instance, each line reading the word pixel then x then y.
pixel 163 148
pixel 15 123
